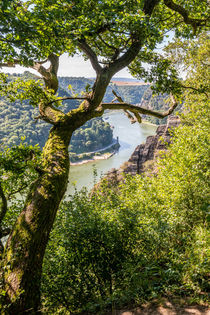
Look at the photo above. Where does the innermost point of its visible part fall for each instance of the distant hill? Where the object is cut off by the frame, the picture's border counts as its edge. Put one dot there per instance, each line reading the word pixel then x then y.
pixel 17 120
pixel 130 80
pixel 130 83
pixel 123 79
pixel 131 91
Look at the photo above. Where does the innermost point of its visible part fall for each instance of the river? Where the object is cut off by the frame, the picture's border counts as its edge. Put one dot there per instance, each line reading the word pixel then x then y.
pixel 130 135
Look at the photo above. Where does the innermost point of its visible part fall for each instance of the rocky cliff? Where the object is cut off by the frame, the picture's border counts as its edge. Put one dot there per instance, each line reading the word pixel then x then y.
pixel 143 157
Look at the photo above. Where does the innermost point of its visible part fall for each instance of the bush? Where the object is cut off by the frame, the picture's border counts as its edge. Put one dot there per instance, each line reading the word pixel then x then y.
pixel 146 239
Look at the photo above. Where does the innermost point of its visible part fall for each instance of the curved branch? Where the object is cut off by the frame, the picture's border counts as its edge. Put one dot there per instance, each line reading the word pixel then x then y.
pixel 127 57
pixel 82 44
pixel 141 110
pixel 42 70
pixel 10 64
pixel 15 62
pixel 130 117
pixel 50 114
pixel 49 75
pixel 185 14
pixel 194 89
pixel 41 62
pixel 68 98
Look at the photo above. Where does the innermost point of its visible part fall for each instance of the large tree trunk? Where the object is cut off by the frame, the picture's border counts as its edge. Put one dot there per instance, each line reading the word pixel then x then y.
pixel 23 256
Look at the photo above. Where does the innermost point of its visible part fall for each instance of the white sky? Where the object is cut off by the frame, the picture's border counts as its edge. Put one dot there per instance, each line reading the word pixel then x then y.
pixel 70 67
pixel 77 67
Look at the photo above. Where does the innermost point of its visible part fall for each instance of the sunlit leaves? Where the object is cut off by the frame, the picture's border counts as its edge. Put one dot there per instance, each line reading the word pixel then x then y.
pixel 147 237
pixel 31 90
pixel 160 72
pixel 17 171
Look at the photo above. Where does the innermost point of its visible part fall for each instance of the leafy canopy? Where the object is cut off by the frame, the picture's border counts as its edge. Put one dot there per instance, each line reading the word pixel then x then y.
pixel 148 237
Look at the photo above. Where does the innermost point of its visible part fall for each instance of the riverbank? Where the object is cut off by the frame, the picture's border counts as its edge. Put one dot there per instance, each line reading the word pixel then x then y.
pixel 102 154
pixel 105 156
pixel 146 122
pixel 130 135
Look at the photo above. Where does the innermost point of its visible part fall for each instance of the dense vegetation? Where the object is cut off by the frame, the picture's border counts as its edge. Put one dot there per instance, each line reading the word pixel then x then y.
pixel 113 35
pixel 18 120
pixel 133 94
pixel 147 237
pixel 144 239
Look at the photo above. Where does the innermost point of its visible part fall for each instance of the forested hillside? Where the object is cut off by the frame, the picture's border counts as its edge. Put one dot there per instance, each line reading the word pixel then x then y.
pixel 18 120
pixel 145 238
pixel 131 94
pixel 126 244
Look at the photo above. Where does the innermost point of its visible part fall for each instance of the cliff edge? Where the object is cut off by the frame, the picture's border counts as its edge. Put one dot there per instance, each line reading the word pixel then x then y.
pixel 143 157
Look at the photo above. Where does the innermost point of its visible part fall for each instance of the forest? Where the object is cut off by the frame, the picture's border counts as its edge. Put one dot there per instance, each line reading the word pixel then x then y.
pixel 121 245
pixel 17 120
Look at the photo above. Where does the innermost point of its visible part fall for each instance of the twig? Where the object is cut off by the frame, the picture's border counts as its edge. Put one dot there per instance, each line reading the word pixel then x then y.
pixel 68 98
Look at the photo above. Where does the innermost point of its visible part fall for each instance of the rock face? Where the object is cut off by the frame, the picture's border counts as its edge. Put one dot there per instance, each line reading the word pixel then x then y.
pixel 144 155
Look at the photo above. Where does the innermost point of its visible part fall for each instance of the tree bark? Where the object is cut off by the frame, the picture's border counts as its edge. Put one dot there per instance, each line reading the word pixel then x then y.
pixel 25 248
pixel 26 245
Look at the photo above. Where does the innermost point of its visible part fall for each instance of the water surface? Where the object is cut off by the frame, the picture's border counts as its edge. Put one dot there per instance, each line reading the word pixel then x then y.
pixel 130 135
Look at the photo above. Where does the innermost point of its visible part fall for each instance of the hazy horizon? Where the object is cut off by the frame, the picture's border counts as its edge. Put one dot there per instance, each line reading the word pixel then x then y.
pixel 70 67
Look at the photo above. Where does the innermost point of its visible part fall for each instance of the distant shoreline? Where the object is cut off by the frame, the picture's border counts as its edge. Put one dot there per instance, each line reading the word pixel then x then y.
pixel 105 156
pixel 101 154
pixel 146 122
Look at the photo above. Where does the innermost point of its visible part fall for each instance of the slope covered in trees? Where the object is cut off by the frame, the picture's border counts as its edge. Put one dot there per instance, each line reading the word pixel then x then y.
pixel 112 35
pixel 18 120
pixel 131 94
pixel 147 237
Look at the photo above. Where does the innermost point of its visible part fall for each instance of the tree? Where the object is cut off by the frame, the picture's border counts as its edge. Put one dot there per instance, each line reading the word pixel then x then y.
pixel 112 35
pixel 90 264
pixel 17 171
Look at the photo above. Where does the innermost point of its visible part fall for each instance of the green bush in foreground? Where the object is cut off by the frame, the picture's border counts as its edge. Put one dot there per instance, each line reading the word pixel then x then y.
pixel 148 238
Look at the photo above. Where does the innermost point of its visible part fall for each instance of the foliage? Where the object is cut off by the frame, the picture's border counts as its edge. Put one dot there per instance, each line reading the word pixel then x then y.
pixel 17 117
pixel 18 166
pixel 94 135
pixel 111 34
pixel 161 72
pixel 146 239
pixel 23 36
